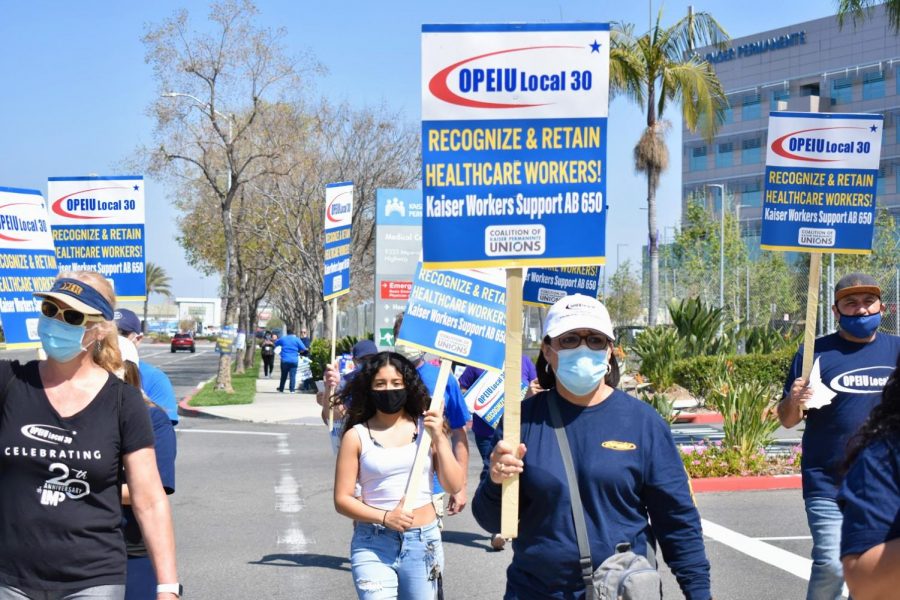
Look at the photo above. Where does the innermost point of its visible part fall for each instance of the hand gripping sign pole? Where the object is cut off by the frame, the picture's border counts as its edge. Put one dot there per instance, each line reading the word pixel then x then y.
pixel 512 407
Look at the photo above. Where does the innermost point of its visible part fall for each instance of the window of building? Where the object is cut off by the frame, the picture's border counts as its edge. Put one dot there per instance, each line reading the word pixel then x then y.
pixel 841 91
pixel 724 155
pixel 881 182
pixel 750 151
pixel 873 85
pixel 751 108
pixel 751 194
pixel 810 89
pixel 728 115
pixel 698 158
pixel 781 95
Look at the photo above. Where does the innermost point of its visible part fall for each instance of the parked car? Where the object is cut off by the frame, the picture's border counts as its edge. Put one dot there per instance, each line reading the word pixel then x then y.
pixel 183 341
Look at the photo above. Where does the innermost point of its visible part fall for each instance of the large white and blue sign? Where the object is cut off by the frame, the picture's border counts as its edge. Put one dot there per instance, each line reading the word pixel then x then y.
pixel 514 127
pixel 486 397
pixel 458 315
pixel 338 217
pixel 543 287
pixel 821 176
pixel 98 225
pixel 27 264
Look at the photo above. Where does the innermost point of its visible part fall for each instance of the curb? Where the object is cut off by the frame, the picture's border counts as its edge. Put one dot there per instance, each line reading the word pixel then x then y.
pixel 746 484
pixel 185 410
pixel 700 418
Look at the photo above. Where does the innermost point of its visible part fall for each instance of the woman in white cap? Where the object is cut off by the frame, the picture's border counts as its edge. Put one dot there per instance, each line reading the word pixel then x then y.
pixel 68 427
pixel 630 479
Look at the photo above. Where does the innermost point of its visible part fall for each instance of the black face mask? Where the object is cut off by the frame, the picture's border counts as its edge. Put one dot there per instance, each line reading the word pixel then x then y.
pixel 389 401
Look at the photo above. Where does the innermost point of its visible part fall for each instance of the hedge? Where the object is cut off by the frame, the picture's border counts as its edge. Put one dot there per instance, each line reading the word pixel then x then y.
pixel 697 374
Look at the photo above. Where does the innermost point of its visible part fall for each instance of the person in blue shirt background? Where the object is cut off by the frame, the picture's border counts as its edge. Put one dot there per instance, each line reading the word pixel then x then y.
pixel 632 482
pixel 154 382
pixel 870 502
pixel 291 347
pixel 854 363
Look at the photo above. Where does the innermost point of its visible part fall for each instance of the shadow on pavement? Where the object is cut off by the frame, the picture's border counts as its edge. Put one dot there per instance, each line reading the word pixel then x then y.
pixel 466 538
pixel 325 561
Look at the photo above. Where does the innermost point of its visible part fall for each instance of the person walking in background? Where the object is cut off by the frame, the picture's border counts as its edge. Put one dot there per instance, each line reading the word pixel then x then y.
pixel 394 553
pixel 857 347
pixel 360 352
pixel 870 502
pixel 60 512
pixel 154 382
pixel 307 341
pixel 267 352
pixel 291 346
pixel 629 475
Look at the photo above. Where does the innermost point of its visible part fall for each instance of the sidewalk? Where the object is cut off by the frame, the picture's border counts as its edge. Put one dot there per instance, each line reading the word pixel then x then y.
pixel 268 406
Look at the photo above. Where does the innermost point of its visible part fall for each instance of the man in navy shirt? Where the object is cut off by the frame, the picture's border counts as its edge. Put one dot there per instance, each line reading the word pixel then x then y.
pixel 854 363
pixel 291 347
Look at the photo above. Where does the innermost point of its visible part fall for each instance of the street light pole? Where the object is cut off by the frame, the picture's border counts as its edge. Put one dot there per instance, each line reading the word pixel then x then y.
pixel 721 243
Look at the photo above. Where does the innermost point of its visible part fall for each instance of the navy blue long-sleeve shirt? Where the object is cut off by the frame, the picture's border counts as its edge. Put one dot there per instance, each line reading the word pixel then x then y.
pixel 628 469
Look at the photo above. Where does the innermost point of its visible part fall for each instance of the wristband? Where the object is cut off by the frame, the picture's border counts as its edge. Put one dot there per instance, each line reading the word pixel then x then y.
pixel 383 519
pixel 170 588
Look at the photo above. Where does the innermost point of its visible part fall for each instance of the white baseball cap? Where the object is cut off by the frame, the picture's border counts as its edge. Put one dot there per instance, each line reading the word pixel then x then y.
pixel 578 312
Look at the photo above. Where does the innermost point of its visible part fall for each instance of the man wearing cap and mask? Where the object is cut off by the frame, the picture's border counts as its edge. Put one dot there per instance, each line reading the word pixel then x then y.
pixel 854 363
pixel 155 383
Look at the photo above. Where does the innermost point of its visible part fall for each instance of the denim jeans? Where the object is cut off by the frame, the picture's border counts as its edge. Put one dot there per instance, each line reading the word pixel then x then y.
pixel 99 592
pixel 484 444
pixel 389 564
pixel 826 580
pixel 288 370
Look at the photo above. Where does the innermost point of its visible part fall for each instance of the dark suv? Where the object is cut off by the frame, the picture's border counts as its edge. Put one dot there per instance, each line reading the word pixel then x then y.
pixel 183 341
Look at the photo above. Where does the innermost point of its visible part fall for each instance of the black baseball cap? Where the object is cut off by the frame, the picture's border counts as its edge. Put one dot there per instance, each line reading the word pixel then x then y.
pixel 856 283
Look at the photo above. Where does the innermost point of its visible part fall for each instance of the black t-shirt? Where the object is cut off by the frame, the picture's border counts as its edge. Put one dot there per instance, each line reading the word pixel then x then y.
pixel 60 511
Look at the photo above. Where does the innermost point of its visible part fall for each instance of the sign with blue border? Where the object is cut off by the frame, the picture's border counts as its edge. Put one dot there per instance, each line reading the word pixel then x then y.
pixel 98 225
pixel 27 264
pixel 458 315
pixel 821 179
pixel 543 287
pixel 514 127
pixel 338 218
pixel 485 397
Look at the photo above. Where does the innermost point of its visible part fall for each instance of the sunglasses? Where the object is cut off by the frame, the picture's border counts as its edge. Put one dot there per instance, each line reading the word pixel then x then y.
pixel 594 341
pixel 69 315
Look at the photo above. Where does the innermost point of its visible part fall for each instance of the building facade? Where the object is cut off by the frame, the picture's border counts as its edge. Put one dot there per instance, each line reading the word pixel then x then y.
pixel 815 66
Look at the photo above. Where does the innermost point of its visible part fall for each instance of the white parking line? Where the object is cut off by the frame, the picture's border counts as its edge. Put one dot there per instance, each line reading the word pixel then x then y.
pixel 268 433
pixel 755 548
pixel 784 537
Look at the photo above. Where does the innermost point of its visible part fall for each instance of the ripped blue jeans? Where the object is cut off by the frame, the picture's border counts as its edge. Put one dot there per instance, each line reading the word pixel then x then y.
pixel 389 564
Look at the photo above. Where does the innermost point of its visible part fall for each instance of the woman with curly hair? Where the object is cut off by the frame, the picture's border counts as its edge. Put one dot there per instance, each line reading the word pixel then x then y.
pixel 394 553
pixel 870 502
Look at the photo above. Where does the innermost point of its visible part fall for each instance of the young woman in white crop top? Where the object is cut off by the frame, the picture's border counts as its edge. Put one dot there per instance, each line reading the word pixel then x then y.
pixel 394 553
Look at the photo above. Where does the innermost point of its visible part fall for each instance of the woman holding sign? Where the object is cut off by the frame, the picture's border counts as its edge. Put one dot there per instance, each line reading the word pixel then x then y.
pixel 395 553
pixel 624 463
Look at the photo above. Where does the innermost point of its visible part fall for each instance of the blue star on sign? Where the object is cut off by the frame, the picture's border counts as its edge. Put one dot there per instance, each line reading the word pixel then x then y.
pixel 135 188
pixel 595 47
pixel 873 128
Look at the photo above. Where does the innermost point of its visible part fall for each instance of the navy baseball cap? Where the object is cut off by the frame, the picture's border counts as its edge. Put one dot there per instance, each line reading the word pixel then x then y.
pixel 79 296
pixel 364 348
pixel 127 321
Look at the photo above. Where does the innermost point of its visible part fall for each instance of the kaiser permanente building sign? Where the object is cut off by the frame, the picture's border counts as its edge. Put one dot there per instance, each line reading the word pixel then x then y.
pixel 758 47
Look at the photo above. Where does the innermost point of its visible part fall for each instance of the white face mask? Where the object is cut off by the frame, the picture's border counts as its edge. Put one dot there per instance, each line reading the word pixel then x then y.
pixel 581 370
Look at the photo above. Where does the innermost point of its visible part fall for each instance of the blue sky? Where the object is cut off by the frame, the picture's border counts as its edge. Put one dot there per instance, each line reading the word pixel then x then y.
pixel 76 87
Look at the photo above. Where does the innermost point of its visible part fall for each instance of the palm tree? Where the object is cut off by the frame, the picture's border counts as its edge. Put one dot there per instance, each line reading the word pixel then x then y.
pixel 157 283
pixel 858 9
pixel 654 70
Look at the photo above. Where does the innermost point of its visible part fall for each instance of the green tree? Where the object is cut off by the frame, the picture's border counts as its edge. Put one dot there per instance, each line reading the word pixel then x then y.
pixel 860 9
pixel 157 283
pixel 624 298
pixel 655 70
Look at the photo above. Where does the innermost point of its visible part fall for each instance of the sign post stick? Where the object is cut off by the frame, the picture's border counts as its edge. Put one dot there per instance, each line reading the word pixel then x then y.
pixel 812 301
pixel 329 391
pixel 512 409
pixel 437 403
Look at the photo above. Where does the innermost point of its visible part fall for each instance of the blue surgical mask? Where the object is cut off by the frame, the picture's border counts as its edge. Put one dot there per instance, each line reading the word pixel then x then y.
pixel 580 370
pixel 860 326
pixel 61 341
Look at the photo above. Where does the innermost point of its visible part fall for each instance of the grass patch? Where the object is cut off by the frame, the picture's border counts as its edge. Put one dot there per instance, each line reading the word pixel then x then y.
pixel 244 390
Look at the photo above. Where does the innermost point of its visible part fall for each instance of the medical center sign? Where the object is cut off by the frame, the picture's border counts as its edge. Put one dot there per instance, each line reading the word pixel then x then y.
pixel 514 144
pixel 821 176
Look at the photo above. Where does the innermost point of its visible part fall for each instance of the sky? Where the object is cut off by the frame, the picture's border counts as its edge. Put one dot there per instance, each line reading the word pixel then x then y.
pixel 76 89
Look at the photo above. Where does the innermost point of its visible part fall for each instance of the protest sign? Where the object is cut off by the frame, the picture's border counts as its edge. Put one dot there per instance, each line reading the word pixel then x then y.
pixel 27 264
pixel 543 287
pixel 821 175
pixel 398 246
pixel 338 217
pixel 98 225
pixel 514 144
pixel 458 315
pixel 485 397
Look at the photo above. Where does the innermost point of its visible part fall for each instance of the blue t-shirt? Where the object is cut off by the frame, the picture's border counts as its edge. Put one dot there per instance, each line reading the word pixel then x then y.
pixel 159 389
pixel 291 347
pixel 857 373
pixel 628 469
pixel 455 409
pixel 870 498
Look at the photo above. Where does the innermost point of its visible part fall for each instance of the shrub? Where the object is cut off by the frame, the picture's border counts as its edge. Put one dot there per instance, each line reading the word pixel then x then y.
pixel 659 348
pixel 698 326
pixel 765 340
pixel 663 405
pixel 698 374
pixel 319 354
pixel 718 460
pixel 748 411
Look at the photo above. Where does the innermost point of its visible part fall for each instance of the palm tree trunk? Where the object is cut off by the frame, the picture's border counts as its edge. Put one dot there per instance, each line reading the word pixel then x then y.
pixel 652 246
pixel 144 322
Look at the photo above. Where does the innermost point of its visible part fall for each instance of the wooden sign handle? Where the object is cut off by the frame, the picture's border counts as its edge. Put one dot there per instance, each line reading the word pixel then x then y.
pixel 414 483
pixel 329 391
pixel 512 398
pixel 812 303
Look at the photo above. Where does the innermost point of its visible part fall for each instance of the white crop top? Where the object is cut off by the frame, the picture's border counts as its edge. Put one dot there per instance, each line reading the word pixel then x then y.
pixel 384 472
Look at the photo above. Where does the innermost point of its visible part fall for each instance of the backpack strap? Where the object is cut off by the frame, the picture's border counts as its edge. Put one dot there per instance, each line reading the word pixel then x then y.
pixel 584 548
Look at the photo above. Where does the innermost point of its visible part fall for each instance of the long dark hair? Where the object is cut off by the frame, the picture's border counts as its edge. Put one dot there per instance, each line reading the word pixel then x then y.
pixel 883 421
pixel 358 391
pixel 547 378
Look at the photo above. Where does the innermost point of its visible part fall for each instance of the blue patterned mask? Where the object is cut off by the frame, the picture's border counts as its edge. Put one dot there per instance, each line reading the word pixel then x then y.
pixel 61 341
